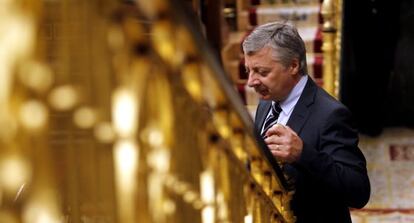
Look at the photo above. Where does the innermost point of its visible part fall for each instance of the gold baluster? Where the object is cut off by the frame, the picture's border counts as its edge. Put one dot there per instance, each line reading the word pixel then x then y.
pixel 331 11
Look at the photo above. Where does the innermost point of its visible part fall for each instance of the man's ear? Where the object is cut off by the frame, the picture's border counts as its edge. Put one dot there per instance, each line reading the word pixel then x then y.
pixel 294 66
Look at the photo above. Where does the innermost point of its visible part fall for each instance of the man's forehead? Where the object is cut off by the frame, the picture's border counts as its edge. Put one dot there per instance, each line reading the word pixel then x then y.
pixel 259 61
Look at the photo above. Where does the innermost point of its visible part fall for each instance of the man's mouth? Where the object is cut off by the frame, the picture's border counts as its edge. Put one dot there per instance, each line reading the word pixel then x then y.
pixel 261 91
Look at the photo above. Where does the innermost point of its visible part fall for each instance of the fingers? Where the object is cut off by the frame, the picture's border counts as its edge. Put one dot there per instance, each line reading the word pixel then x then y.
pixel 279 153
pixel 284 143
pixel 275 134
pixel 279 129
pixel 284 154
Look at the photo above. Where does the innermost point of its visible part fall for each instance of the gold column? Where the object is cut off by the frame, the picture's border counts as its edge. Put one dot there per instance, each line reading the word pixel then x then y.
pixel 332 14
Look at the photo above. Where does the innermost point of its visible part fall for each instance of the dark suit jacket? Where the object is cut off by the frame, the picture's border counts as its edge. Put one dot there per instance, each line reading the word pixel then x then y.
pixel 331 173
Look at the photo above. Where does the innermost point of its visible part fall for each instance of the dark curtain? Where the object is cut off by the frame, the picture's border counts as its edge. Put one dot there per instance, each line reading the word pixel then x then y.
pixel 370 33
pixel 401 87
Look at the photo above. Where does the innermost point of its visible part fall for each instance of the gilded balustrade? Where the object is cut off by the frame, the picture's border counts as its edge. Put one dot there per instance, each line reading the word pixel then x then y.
pixel 115 112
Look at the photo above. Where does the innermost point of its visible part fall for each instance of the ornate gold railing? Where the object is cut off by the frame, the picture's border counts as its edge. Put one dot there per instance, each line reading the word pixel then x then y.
pixel 332 15
pixel 115 112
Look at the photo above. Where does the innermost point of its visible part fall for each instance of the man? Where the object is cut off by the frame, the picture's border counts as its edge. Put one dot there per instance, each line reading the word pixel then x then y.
pixel 313 136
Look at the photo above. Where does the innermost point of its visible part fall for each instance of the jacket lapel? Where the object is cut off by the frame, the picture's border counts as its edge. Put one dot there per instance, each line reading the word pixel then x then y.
pixel 262 113
pixel 302 109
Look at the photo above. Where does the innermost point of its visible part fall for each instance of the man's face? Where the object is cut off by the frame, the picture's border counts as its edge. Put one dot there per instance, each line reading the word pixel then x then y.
pixel 269 77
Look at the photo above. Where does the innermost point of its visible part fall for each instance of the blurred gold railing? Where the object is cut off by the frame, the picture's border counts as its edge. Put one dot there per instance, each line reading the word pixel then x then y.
pixel 332 30
pixel 115 112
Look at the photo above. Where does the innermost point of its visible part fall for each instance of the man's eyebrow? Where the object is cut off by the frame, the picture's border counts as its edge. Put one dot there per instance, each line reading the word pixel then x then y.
pixel 255 67
pixel 261 67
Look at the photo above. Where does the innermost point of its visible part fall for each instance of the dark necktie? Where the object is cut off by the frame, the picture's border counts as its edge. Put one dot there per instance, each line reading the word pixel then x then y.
pixel 272 118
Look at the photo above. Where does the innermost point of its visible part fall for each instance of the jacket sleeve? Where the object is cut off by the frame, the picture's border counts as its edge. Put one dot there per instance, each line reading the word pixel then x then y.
pixel 338 164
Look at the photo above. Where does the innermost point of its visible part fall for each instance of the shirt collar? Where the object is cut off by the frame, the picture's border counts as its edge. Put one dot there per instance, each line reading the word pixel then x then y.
pixel 289 103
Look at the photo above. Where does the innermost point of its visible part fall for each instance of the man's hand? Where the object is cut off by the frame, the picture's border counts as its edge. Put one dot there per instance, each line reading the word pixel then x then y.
pixel 284 143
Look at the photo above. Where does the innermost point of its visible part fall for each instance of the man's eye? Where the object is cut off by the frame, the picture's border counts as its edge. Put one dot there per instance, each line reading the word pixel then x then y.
pixel 262 72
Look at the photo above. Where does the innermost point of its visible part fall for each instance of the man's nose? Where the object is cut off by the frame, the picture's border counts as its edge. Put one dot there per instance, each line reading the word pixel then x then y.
pixel 252 81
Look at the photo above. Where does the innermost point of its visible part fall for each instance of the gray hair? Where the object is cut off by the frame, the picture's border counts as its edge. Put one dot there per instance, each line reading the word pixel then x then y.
pixel 283 38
